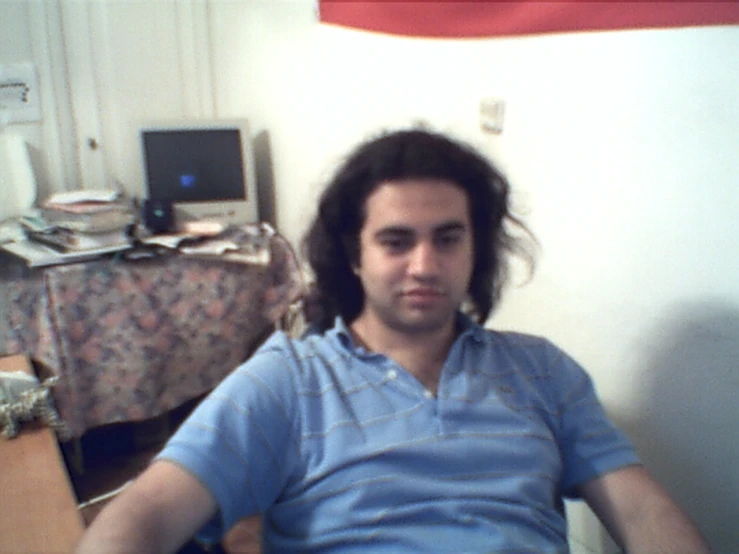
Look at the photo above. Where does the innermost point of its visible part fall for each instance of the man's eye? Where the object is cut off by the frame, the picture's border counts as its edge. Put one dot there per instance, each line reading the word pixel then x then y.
pixel 448 240
pixel 395 244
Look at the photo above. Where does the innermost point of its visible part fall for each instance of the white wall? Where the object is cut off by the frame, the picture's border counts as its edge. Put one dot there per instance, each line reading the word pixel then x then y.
pixel 621 147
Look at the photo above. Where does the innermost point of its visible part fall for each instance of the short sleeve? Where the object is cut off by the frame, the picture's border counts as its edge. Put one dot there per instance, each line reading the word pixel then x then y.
pixel 240 440
pixel 591 445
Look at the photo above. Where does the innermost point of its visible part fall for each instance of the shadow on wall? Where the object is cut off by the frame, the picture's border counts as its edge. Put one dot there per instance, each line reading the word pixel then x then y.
pixel 265 178
pixel 42 185
pixel 687 429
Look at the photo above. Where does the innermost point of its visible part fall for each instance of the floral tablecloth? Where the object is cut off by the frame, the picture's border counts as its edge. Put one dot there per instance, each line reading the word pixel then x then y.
pixel 131 340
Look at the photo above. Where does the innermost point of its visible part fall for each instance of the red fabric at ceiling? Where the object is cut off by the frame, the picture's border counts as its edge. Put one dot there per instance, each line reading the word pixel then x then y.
pixel 487 19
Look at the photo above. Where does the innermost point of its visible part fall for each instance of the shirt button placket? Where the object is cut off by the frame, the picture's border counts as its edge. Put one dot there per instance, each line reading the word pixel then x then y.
pixel 436 411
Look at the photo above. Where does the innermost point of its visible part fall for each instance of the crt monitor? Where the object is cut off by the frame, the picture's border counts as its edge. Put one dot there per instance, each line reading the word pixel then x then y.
pixel 204 168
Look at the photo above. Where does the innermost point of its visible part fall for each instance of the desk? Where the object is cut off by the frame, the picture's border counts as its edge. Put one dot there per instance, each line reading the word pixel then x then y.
pixel 38 512
pixel 131 340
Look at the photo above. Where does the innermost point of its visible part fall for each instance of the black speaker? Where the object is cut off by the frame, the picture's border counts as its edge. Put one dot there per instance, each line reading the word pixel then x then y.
pixel 158 216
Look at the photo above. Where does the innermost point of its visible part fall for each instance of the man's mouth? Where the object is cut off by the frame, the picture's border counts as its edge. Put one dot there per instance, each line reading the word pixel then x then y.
pixel 424 292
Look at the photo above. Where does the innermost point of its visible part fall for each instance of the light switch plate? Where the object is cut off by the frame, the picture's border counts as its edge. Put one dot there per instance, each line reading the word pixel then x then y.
pixel 491 115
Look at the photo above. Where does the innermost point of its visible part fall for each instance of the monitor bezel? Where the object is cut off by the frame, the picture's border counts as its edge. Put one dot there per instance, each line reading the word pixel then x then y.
pixel 227 212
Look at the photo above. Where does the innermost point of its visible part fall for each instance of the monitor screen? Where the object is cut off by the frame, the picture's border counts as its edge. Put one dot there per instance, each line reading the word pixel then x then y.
pixel 203 167
pixel 197 165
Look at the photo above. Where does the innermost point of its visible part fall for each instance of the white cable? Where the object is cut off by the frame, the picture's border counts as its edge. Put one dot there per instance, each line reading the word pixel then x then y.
pixel 104 496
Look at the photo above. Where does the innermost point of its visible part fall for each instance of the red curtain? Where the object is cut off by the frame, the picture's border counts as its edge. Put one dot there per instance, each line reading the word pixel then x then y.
pixel 487 19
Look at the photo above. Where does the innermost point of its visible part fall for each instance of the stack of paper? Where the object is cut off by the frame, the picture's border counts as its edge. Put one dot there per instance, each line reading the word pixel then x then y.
pixel 75 225
pixel 35 254
pixel 82 220
pixel 89 211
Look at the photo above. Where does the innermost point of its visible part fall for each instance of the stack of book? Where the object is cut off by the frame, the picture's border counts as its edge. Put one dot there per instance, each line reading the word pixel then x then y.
pixel 81 221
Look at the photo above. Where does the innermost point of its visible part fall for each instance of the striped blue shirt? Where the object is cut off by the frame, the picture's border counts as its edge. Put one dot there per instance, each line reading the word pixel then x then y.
pixel 343 450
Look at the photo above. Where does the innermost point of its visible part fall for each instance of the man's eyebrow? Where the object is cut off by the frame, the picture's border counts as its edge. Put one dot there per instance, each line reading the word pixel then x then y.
pixel 394 230
pixel 450 227
pixel 401 230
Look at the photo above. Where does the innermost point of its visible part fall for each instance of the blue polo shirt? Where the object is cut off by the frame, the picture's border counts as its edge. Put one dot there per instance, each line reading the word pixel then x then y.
pixel 343 450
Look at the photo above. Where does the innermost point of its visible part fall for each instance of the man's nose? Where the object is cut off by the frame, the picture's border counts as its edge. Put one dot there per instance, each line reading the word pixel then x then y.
pixel 424 260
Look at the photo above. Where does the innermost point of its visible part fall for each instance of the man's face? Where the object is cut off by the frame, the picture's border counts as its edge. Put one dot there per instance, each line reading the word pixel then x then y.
pixel 415 255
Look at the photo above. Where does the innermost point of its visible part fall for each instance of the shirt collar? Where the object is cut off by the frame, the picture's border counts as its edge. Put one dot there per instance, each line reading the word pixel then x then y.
pixel 341 333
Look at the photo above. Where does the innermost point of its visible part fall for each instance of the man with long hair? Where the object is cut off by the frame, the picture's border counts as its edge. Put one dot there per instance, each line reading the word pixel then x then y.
pixel 399 423
pixel 331 245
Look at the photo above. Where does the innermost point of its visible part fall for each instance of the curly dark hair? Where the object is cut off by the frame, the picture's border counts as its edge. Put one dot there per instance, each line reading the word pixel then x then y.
pixel 331 245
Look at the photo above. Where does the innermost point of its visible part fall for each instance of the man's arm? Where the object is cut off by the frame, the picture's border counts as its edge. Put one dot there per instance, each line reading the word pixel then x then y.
pixel 157 513
pixel 640 515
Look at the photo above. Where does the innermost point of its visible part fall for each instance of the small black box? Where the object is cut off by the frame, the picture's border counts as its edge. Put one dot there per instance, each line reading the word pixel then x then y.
pixel 158 216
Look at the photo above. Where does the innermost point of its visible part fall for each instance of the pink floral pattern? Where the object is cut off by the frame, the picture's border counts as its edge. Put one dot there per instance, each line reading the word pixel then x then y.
pixel 133 339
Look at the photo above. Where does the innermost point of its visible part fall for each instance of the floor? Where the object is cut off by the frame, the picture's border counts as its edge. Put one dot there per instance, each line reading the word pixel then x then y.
pixel 112 456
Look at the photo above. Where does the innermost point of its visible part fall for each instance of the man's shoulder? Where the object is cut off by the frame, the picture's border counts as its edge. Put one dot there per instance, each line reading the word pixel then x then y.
pixel 302 355
pixel 308 344
pixel 515 340
pixel 524 352
pixel 483 334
